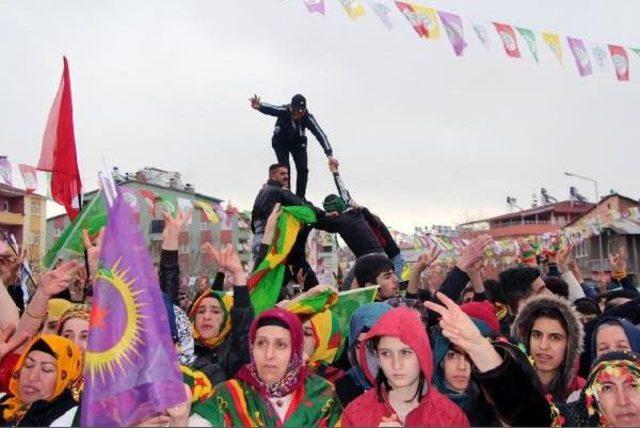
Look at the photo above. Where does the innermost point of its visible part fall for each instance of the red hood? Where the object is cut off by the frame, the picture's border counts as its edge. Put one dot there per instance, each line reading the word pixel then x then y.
pixel 405 324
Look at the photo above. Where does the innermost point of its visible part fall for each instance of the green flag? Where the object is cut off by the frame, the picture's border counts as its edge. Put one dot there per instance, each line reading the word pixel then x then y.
pixel 92 217
pixel 266 280
pixel 169 204
pixel 349 301
pixel 529 37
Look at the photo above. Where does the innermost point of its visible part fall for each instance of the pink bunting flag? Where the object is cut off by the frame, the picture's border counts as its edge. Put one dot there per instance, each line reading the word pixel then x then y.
pixel 453 26
pixel 508 37
pixel 583 62
pixel 315 6
pixel 620 62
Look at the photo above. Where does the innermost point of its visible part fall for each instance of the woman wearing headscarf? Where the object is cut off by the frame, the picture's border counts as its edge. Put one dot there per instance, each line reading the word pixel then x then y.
pixel 396 357
pixel 354 383
pixel 549 327
pixel 74 325
pixel 322 344
pixel 611 396
pixel 452 377
pixel 221 322
pixel 275 388
pixel 41 387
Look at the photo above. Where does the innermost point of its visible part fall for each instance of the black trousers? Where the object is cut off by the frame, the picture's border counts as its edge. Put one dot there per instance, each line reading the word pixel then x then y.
pixel 299 155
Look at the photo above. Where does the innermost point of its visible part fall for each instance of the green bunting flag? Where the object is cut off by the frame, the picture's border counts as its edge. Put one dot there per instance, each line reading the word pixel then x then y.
pixel 92 217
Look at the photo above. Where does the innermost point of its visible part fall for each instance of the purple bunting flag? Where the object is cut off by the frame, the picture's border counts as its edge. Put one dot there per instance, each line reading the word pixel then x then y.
pixel 316 6
pixel 583 62
pixel 5 171
pixel 131 365
pixel 453 26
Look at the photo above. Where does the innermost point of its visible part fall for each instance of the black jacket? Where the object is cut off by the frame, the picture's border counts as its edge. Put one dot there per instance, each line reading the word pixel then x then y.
pixel 222 363
pixel 354 230
pixel 382 233
pixel 290 133
pixel 270 194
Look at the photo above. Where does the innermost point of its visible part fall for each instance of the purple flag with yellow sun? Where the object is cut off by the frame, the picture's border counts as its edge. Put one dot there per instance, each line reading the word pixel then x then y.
pixel 131 366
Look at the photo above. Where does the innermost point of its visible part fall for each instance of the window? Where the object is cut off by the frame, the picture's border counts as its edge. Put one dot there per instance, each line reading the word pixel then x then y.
pixel 204 226
pixel 156 226
pixel 183 249
pixel 35 207
pixel 582 249
pixel 35 238
pixel 4 205
pixel 57 231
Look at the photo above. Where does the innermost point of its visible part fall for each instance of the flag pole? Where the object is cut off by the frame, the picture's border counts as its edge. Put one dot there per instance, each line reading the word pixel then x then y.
pixel 86 254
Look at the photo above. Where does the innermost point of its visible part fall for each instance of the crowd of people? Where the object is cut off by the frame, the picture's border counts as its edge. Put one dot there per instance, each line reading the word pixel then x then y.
pixel 461 345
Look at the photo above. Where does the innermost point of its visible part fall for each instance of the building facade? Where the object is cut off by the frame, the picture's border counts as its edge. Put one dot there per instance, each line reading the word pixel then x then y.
pixel 230 228
pixel 533 221
pixel 24 216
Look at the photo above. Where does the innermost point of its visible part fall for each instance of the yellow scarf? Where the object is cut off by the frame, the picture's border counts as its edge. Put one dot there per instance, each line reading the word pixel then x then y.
pixel 68 369
pixel 226 302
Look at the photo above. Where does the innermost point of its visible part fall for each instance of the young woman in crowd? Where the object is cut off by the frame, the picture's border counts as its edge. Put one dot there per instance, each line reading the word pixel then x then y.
pixel 276 388
pixel 74 325
pixel 396 358
pixel 611 396
pixel 40 391
pixel 550 329
pixel 354 383
pixel 452 377
pixel 221 322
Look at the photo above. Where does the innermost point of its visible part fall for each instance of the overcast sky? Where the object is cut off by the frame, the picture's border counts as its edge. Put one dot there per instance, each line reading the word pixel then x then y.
pixel 423 137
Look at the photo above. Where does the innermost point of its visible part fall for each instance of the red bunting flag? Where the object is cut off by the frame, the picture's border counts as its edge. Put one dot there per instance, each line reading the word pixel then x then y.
pixel 150 200
pixel 58 153
pixel 409 12
pixel 620 62
pixel 508 37
pixel 30 177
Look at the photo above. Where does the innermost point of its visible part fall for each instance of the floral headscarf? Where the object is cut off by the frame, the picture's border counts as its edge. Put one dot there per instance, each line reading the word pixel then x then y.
pixel 226 302
pixel 618 365
pixel 68 369
pixel 74 311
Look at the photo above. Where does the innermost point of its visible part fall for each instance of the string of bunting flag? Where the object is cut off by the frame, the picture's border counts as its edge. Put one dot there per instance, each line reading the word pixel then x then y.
pixel 450 247
pixel 427 23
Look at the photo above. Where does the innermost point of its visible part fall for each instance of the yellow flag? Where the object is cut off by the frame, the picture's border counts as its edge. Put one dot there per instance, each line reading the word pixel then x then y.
pixel 429 19
pixel 354 8
pixel 208 211
pixel 553 41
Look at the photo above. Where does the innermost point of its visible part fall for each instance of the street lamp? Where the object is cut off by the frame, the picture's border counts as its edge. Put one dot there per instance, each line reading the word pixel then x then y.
pixel 595 183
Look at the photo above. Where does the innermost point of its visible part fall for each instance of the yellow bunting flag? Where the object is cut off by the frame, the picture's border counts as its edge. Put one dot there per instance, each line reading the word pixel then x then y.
pixel 553 41
pixel 354 8
pixel 429 19
pixel 208 211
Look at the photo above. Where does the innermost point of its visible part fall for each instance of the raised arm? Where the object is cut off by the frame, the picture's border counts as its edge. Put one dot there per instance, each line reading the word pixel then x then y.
pixel 321 137
pixel 265 108
pixel 169 272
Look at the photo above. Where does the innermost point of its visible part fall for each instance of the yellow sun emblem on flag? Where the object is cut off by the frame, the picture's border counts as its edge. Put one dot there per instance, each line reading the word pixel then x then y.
pixel 106 361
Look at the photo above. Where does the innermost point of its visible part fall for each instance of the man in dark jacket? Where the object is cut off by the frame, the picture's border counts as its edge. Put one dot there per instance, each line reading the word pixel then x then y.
pixel 289 136
pixel 274 191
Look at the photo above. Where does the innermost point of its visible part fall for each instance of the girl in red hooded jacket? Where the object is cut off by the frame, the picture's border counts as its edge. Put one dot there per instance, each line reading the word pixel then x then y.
pixel 396 357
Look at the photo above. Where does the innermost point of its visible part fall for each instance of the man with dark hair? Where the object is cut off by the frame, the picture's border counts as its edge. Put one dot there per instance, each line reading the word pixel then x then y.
pixel 377 269
pixel 516 285
pixel 289 136
pixel 274 191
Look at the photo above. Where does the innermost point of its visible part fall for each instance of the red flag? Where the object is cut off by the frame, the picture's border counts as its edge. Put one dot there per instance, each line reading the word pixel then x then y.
pixel 150 200
pixel 508 37
pixel 58 153
pixel 620 62
pixel 30 177
pixel 409 12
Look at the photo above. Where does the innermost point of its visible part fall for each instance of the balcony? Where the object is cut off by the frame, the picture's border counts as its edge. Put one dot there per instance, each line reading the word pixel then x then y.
pixel 10 218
